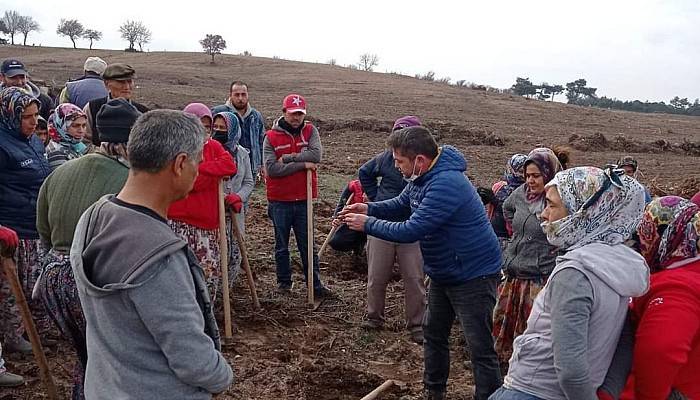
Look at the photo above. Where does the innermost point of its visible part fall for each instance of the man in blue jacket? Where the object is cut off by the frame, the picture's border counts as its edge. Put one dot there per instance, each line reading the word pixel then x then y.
pixel 460 253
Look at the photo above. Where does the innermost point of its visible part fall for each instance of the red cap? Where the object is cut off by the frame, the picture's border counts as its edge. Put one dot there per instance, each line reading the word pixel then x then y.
pixel 294 103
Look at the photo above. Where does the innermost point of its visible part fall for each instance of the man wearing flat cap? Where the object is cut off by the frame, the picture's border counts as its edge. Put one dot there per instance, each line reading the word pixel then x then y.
pixel 88 87
pixel 119 81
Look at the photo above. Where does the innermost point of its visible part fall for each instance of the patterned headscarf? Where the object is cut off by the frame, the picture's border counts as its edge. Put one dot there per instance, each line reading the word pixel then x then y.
pixel 549 165
pixel 604 207
pixel 669 232
pixel 61 120
pixel 14 102
pixel 514 176
pixel 234 130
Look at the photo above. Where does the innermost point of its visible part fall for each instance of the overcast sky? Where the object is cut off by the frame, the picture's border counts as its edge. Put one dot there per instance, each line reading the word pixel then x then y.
pixel 629 49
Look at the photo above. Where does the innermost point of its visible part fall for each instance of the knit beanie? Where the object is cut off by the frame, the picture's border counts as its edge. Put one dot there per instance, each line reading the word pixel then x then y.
pixel 115 119
pixel 405 122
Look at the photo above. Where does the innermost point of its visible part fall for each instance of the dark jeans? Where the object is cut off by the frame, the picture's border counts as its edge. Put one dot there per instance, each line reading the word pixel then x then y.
pixel 473 303
pixel 511 394
pixel 285 216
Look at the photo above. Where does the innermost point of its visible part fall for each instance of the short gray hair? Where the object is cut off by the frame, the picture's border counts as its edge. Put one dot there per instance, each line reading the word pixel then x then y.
pixel 158 136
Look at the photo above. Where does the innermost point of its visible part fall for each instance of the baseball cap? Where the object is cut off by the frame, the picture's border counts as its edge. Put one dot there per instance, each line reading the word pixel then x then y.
pixel 294 103
pixel 95 64
pixel 12 67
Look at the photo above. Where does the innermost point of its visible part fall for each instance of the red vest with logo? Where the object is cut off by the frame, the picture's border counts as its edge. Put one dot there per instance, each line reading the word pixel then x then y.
pixel 291 187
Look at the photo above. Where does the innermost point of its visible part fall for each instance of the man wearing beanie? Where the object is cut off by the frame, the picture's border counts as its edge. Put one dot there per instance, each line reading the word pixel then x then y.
pixel 381 181
pixel 63 197
pixel 119 81
pixel 88 87
pixel 291 147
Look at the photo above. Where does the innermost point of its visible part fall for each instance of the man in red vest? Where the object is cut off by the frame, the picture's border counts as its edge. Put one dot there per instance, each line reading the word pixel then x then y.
pixel 290 148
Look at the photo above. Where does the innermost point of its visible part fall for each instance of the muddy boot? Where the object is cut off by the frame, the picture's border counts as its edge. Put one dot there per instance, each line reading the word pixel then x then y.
pixel 8 379
pixel 434 394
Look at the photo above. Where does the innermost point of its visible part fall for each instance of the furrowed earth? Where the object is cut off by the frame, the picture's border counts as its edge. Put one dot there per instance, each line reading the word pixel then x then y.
pixel 286 350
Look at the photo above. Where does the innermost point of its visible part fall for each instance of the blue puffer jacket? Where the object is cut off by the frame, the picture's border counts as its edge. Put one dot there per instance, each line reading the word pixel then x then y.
pixel 456 238
pixel 381 166
pixel 23 168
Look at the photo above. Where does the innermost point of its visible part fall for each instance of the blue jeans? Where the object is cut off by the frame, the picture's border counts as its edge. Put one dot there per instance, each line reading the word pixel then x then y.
pixel 473 302
pixel 285 216
pixel 511 394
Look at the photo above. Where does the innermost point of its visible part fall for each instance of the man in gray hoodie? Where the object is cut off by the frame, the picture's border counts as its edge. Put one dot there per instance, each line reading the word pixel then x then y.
pixel 150 327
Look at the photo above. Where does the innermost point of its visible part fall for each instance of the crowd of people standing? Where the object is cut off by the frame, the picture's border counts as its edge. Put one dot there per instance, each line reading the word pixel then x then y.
pixel 569 282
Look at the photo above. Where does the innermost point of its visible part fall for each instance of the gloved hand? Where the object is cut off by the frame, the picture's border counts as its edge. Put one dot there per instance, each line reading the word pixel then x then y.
pixel 234 202
pixel 8 241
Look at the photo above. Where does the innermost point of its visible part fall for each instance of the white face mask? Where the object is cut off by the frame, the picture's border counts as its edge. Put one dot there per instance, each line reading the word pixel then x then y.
pixel 414 175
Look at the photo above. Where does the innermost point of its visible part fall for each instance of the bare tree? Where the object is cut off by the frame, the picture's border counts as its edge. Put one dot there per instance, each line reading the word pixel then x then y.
pixel 12 20
pixel 213 45
pixel 71 28
pixel 143 37
pixel 135 32
pixel 92 35
pixel 27 25
pixel 3 30
pixel 368 62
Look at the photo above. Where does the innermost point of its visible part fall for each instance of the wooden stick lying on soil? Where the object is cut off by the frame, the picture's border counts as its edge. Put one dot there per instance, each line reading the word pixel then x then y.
pixel 376 392
pixel 235 230
pixel 223 244
pixel 331 233
pixel 10 269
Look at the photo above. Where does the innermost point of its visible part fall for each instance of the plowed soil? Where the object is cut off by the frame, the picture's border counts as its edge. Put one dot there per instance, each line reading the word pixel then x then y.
pixel 286 350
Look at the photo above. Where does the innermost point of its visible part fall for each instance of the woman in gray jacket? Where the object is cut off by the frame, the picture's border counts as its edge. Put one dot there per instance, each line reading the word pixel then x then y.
pixel 528 258
pixel 577 318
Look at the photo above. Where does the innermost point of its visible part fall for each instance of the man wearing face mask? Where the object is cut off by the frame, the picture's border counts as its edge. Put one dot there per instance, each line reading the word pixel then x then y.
pixel 291 147
pixel 461 254
pixel 382 181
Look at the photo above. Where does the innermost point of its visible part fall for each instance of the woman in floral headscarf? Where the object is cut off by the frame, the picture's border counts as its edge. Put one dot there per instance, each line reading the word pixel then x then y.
pixel 528 258
pixel 23 168
pixel 667 318
pixel 577 318
pixel 67 127
pixel 513 178
pixel 237 189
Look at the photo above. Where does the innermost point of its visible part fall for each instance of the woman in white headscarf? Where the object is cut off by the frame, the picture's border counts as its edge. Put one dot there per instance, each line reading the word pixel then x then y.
pixel 577 318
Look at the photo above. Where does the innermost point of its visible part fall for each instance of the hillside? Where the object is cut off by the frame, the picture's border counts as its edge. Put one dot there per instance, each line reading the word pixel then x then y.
pixel 354 109
pixel 287 351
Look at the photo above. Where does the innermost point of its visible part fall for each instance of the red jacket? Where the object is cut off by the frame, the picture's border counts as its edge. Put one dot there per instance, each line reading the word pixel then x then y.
pixel 667 343
pixel 201 207
pixel 355 188
pixel 291 187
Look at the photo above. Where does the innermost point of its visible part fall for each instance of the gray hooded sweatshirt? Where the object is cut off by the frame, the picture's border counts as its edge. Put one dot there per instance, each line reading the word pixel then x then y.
pixel 146 332
pixel 575 323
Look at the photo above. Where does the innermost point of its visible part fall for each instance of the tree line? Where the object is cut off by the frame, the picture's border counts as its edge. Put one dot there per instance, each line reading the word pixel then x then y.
pixel 578 92
pixel 13 23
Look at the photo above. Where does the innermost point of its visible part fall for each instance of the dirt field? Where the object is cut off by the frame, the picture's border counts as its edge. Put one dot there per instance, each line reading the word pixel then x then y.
pixel 287 351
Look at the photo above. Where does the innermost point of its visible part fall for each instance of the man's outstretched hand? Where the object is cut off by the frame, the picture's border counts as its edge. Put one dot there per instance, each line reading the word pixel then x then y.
pixel 356 222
